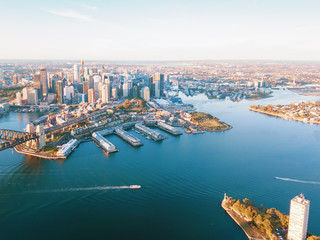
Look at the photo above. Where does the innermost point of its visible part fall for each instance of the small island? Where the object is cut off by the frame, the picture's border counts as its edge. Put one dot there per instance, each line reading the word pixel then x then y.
pixel 307 112
pixel 258 222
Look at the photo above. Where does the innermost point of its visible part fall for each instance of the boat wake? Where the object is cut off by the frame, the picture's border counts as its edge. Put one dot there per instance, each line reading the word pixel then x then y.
pixel 296 180
pixel 100 188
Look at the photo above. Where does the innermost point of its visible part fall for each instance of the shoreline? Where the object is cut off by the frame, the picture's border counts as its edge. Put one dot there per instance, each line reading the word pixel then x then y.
pixel 39 154
pixel 281 116
pixel 234 215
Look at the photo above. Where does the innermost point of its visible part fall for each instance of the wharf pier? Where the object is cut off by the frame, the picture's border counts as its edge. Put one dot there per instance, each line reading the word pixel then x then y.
pixel 150 133
pixel 169 129
pixel 68 148
pixel 128 137
pixel 103 142
pixel 106 132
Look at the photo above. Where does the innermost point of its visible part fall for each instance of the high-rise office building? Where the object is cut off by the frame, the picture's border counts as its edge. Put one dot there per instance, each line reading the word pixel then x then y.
pixel 44 81
pixel 68 92
pixel 136 91
pixel 298 220
pixel 29 95
pixel 15 79
pixel 83 98
pixel 86 72
pixel 114 93
pixel 32 96
pixel 146 94
pixel 91 95
pixel 125 90
pixel 119 91
pixel 100 85
pixel 157 85
pixel 85 87
pixel 37 85
pixel 60 92
pixel 82 69
pixel 54 85
pixel 76 75
pixel 105 93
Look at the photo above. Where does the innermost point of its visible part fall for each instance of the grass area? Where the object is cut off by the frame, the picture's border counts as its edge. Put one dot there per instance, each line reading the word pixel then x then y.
pixel 212 123
pixel 9 92
pixel 207 121
pixel 245 226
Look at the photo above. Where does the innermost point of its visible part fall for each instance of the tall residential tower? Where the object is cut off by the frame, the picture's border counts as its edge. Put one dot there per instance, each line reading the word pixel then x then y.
pixel 299 215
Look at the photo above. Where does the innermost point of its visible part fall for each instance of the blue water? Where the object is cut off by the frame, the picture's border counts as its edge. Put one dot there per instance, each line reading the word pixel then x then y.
pixel 183 180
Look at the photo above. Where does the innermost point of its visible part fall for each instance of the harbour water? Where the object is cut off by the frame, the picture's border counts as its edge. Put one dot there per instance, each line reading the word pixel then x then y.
pixel 182 178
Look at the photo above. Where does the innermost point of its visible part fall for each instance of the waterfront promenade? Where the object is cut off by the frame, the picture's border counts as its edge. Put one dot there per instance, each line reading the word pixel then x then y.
pixel 242 223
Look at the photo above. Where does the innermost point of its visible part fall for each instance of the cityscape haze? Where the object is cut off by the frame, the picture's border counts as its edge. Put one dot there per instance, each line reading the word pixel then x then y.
pixel 160 119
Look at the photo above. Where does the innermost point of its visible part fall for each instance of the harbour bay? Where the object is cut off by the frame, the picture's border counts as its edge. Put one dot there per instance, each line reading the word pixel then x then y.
pixel 183 179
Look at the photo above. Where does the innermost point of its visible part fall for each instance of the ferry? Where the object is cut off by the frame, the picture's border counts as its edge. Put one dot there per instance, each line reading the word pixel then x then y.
pixel 134 186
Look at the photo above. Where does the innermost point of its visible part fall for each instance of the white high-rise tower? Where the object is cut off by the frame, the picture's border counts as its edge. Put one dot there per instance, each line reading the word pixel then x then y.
pixel 299 215
pixel 76 73
pixel 146 94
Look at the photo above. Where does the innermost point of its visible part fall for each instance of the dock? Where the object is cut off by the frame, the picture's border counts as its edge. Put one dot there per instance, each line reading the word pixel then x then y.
pixel 128 137
pixel 106 132
pixel 148 132
pixel 169 129
pixel 68 148
pixel 104 143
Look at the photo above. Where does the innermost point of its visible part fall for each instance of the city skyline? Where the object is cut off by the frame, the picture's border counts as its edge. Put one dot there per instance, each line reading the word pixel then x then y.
pixel 170 30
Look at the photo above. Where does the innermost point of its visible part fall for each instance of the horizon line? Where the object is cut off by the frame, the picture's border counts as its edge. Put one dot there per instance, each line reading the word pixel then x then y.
pixel 158 60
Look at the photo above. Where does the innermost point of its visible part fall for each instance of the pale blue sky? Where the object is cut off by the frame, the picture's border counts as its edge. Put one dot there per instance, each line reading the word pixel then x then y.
pixel 160 30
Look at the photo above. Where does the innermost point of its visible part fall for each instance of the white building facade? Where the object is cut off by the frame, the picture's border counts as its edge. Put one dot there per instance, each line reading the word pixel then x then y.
pixel 299 215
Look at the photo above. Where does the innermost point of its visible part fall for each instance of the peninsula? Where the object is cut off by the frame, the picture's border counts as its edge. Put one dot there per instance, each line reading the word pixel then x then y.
pixel 204 121
pixel 258 222
pixel 307 112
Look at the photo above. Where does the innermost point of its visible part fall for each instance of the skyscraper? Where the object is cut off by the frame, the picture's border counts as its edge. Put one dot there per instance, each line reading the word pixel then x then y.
pixel 85 87
pixel 299 215
pixel 114 93
pixel 105 93
pixel 76 73
pixel 32 96
pixel 82 69
pixel 91 95
pixel 60 92
pixel 44 82
pixel 37 84
pixel 125 90
pixel 146 94
pixel 158 84
pixel 15 79
pixel 29 95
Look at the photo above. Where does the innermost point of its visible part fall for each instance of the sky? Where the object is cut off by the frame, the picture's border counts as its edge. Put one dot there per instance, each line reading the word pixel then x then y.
pixel 160 29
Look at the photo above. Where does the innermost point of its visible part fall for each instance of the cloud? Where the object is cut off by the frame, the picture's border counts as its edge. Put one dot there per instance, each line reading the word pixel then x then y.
pixel 86 6
pixel 72 14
